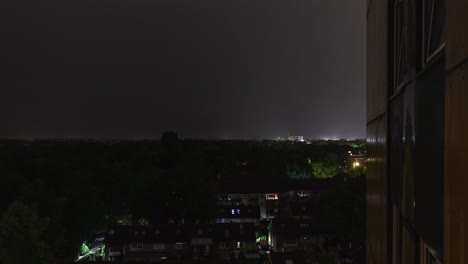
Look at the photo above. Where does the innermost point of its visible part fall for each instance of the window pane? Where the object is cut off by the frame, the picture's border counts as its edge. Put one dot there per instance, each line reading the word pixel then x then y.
pixel 408 247
pixel 402 41
pixel 434 26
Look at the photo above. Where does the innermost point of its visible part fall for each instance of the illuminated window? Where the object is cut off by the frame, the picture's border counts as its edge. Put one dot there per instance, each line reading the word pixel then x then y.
pixel 238 211
pixel 233 211
pixel 272 196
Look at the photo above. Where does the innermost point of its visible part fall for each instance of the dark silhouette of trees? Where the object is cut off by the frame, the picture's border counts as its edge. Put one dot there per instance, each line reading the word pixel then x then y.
pixel 69 191
pixel 22 236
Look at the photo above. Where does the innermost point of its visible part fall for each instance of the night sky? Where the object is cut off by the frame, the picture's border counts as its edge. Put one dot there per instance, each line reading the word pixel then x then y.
pixel 206 69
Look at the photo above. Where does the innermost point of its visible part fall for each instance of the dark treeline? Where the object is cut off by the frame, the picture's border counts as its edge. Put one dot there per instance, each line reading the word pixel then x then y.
pixel 56 194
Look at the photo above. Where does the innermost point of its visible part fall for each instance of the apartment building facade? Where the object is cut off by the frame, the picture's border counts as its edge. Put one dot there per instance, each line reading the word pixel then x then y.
pixel 417 127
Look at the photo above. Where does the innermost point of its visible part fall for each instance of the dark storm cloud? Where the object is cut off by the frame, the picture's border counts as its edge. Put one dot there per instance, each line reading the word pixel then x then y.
pixel 217 68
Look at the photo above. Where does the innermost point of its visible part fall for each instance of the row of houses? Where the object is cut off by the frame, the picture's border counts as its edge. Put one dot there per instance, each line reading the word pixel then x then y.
pixel 213 243
pixel 249 225
pixel 208 243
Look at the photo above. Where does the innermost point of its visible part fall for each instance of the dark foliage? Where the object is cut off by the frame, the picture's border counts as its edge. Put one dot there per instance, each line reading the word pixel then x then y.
pixel 73 189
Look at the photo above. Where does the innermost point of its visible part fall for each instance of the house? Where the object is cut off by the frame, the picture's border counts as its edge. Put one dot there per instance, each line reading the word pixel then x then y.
pixel 146 243
pixel 232 242
pixel 186 243
pixel 292 235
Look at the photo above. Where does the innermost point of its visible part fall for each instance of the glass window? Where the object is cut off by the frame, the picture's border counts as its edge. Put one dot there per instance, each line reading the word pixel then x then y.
pixel 408 247
pixel 433 27
pixel 429 255
pixel 401 41
pixel 408 186
pixel 395 234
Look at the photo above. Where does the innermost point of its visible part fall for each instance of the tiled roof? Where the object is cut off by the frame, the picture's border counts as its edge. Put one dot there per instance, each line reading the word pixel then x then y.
pixel 178 233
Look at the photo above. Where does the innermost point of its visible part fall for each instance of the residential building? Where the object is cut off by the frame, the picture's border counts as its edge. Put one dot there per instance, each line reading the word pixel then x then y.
pixel 417 122
pixel 147 243
pixel 292 235
pixel 212 243
pixel 272 198
pixel 238 214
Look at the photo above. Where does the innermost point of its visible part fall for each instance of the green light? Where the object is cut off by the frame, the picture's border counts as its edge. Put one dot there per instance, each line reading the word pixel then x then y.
pixel 84 249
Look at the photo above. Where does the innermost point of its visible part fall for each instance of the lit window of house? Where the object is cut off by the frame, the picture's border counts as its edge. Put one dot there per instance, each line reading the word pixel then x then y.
pixel 238 211
pixel 240 244
pixel 233 211
pixel 272 196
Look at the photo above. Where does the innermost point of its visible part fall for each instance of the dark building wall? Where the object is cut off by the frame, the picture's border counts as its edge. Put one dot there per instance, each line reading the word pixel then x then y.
pixel 416 128
pixel 456 134
pixel 405 130
pixel 377 192
pixel 376 59
pixel 424 95
pixel 429 155
pixel 376 246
